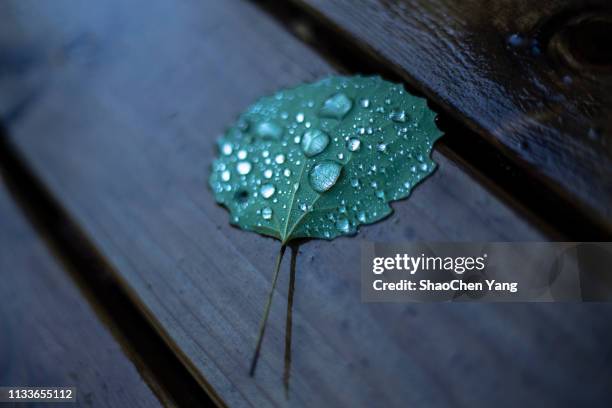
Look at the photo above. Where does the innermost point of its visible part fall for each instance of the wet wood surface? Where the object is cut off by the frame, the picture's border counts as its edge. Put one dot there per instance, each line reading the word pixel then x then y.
pixel 532 78
pixel 118 115
pixel 49 334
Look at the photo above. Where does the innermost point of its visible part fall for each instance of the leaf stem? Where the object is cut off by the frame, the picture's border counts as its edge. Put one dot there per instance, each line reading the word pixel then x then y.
pixel 264 320
pixel 289 319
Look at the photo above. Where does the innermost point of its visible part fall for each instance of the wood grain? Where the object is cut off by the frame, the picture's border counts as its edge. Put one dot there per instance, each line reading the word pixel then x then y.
pixel 49 335
pixel 118 114
pixel 519 73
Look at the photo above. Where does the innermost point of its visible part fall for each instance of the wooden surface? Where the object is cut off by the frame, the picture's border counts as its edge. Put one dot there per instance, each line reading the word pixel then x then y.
pixel 546 105
pixel 49 335
pixel 118 113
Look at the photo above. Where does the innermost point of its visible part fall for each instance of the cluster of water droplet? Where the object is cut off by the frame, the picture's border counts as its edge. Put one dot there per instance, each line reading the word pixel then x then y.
pixel 321 159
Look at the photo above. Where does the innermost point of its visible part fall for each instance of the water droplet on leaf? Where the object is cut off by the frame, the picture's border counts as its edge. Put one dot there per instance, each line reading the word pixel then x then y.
pixel 361 216
pixel 226 149
pixel 243 167
pixel 353 144
pixel 398 116
pixel 267 190
pixel 343 225
pixel 324 175
pixel 266 213
pixel 314 142
pixel 268 130
pixel 336 106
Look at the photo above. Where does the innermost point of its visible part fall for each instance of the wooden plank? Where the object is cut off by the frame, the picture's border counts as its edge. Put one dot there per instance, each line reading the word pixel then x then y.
pixel 118 114
pixel 49 335
pixel 514 72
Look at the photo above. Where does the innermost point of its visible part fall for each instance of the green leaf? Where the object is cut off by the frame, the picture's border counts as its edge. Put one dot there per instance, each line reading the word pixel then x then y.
pixel 318 160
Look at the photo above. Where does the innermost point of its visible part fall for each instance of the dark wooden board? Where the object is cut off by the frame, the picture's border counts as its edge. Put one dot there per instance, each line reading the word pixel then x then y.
pixel 117 110
pixel 49 334
pixel 546 105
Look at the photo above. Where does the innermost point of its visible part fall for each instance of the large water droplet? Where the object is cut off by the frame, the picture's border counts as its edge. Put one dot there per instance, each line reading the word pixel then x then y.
pixel 324 175
pixel 225 176
pixel 266 213
pixel 365 103
pixel 299 118
pixel 243 167
pixel 353 144
pixel 242 154
pixel 268 173
pixel 343 225
pixel 355 182
pixel 361 216
pixel 336 106
pixel 268 130
pixel 287 173
pixel 267 190
pixel 280 158
pixel 314 142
